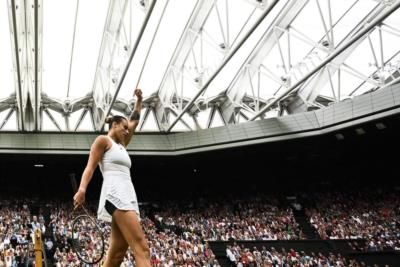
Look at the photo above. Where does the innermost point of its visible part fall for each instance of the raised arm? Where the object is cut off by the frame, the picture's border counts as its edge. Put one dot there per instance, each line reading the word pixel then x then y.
pixel 97 150
pixel 133 120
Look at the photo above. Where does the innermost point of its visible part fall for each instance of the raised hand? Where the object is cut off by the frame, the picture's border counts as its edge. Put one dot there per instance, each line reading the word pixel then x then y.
pixel 138 93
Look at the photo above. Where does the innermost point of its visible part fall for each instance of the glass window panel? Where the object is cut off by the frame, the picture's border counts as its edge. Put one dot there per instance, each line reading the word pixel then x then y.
pixel 217 120
pixel 74 117
pixel 150 123
pixel 202 117
pixel 11 124
pixel 163 46
pixel 327 88
pixel 268 87
pixel 309 22
pixel 208 55
pixel 338 8
pixel 57 43
pixel 394 19
pixel 352 19
pixel 272 113
pixel 239 12
pixel 247 113
pixel 362 58
pixel 390 45
pixel 86 124
pixel 241 119
pixel 348 84
pixel 47 123
pixel 59 119
pixel 189 121
pixel 89 32
pixel 179 126
pixel 6 66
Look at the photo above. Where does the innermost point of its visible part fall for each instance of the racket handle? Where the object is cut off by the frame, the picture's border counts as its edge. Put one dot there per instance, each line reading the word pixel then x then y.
pixel 73 182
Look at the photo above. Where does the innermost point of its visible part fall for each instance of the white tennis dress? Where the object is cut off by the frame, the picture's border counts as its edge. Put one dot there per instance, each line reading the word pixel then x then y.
pixel 117 185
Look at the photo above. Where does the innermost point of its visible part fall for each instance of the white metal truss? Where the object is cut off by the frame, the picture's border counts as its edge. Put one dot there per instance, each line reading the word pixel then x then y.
pixel 253 71
pixel 190 67
pixel 384 13
pixel 308 94
pixel 116 53
pixel 168 92
pixel 124 25
pixel 26 36
pixel 248 82
pixel 274 78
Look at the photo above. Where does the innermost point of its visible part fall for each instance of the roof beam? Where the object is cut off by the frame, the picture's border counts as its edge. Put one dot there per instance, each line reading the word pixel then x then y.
pixel 38 61
pixel 225 61
pixel 310 91
pixel 17 66
pixel 36 7
pixel 197 20
pixel 26 29
pixel 100 122
pixel 265 45
pixel 109 42
pixel 236 89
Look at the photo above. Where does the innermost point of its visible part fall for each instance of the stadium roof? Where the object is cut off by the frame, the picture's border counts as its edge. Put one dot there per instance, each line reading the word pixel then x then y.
pixel 65 65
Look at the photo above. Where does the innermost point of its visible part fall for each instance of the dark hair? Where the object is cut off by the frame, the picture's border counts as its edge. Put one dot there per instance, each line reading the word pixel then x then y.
pixel 111 119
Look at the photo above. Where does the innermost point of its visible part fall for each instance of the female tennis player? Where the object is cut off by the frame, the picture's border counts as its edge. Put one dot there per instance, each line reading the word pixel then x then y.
pixel 118 203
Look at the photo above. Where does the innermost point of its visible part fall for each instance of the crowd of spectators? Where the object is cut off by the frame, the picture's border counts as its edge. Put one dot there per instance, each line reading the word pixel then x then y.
pixel 167 248
pixel 179 232
pixel 17 227
pixel 257 218
pixel 373 216
pixel 240 256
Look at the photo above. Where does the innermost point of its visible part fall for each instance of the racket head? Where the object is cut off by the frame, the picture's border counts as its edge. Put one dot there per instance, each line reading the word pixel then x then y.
pixel 87 239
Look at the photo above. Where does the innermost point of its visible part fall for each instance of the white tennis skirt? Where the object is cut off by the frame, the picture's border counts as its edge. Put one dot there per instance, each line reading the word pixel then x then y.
pixel 118 189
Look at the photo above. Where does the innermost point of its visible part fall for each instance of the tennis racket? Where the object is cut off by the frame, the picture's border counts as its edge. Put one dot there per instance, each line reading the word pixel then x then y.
pixel 87 235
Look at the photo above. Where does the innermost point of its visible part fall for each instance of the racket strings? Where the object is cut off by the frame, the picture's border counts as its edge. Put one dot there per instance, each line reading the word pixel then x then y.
pixel 88 238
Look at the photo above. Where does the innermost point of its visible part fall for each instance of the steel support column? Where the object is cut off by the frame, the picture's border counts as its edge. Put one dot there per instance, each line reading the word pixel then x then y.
pixel 19 95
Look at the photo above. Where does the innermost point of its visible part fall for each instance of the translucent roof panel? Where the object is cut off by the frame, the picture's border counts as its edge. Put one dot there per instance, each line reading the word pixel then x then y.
pixel 150 124
pixel 93 54
pixel 123 26
pixel 152 57
pixel 71 48
pixel 57 45
pixel 11 123
pixel 349 18
pixel 6 66
pixel 303 44
pixel 88 38
pixel 80 120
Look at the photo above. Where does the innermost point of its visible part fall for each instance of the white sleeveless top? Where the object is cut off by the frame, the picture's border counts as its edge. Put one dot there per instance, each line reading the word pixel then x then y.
pixel 117 186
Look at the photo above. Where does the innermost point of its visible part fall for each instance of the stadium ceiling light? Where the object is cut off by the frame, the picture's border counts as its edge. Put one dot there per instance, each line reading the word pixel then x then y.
pixel 380 126
pixel 38 165
pixel 360 131
pixel 339 136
